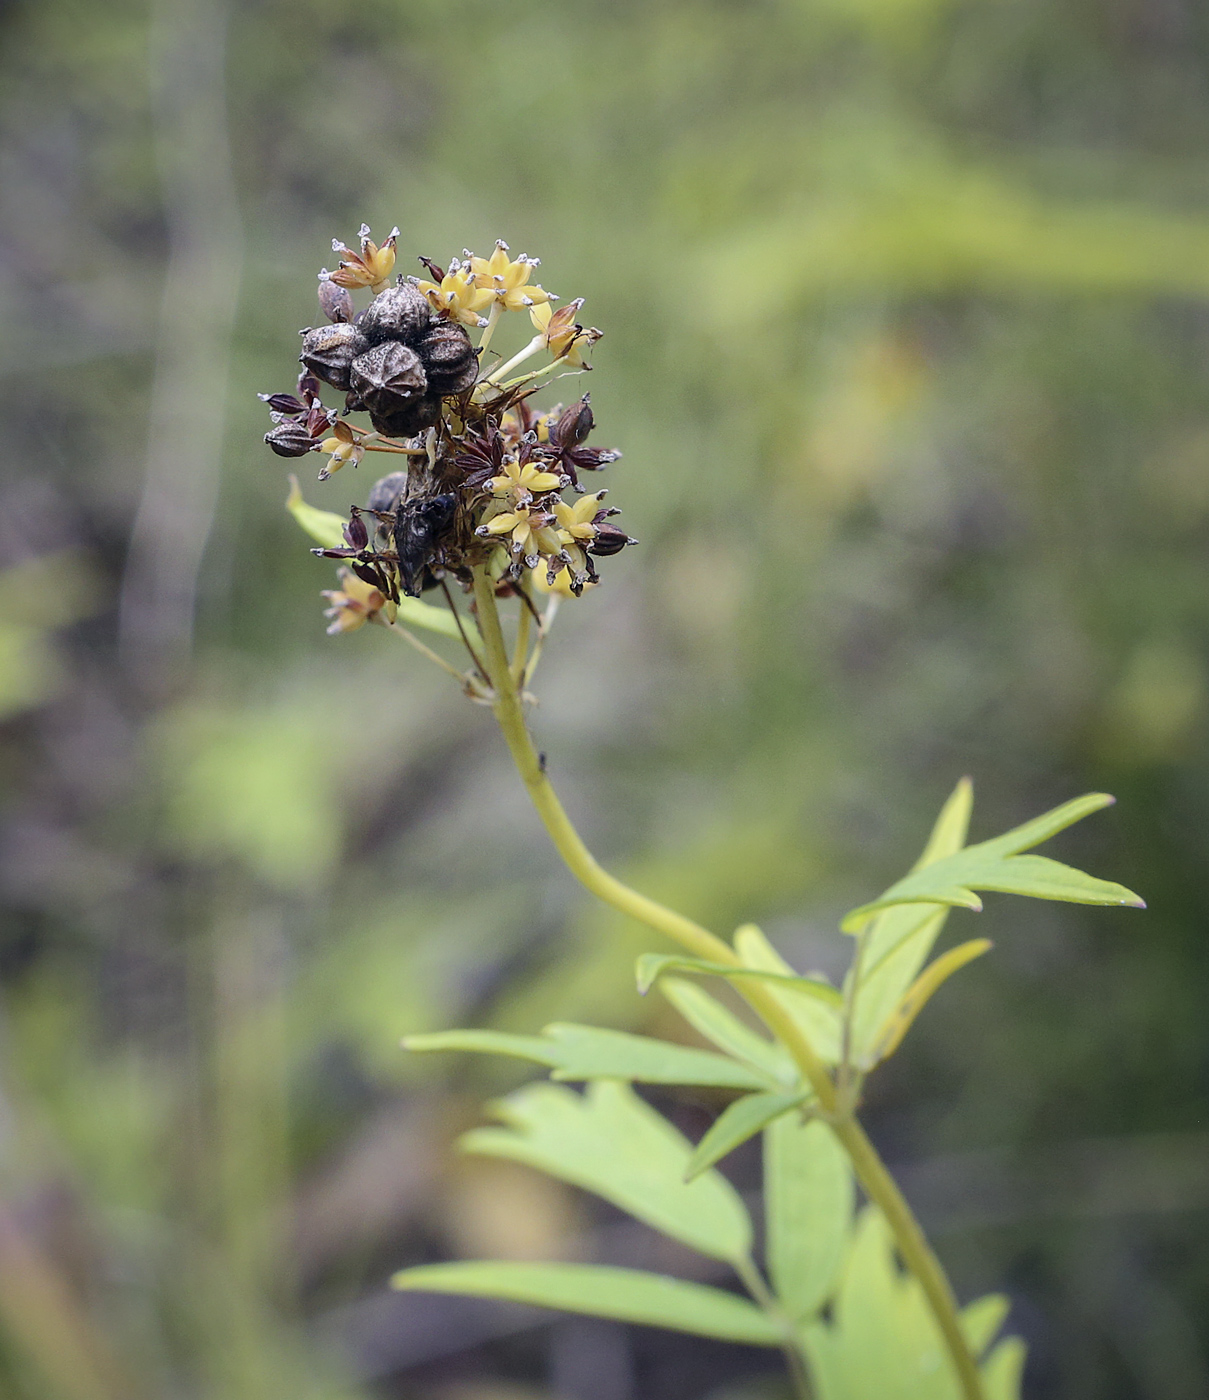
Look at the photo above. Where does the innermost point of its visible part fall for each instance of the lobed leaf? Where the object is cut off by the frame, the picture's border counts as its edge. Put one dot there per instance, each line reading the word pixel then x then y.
pixel 608 1141
pixel 809 1196
pixel 739 1121
pixel 627 1295
pixel 587 1052
pixel 651 966
pixel 997 865
pixel 710 1018
pixel 817 1016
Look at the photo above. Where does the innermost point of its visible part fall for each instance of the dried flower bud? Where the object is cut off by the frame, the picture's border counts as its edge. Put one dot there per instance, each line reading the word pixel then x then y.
pixel 398 313
pixel 329 351
pixel 290 439
pixel 574 425
pixel 385 493
pixel 355 532
pixel 609 540
pixel 449 358
pixel 336 301
pixel 285 404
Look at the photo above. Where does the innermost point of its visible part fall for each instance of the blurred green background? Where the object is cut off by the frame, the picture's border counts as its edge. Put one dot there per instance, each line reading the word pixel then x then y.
pixel 907 346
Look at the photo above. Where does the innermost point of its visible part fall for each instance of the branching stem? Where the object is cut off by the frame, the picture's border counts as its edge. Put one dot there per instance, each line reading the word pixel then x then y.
pixel 871 1172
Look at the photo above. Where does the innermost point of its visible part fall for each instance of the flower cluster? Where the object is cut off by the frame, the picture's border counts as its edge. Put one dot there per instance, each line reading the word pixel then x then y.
pixel 486 473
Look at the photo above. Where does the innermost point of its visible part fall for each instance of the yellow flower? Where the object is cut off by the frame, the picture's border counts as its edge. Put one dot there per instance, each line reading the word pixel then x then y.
pixel 530 532
pixel 457 295
pixel 342 447
pixel 560 333
pixel 577 523
pixel 369 268
pixel 521 484
pixel 506 280
pixel 355 603
pixel 562 584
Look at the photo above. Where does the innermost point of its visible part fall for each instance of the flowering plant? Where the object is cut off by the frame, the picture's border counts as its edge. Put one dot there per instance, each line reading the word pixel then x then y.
pixel 482 508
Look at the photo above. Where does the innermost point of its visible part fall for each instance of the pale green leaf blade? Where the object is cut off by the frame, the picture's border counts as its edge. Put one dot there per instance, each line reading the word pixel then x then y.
pixel 587 1052
pixel 1042 878
pixel 627 1295
pixel 414 613
pixel 707 1016
pixel 608 1141
pixel 739 1121
pixel 652 966
pixel 1033 833
pixel 920 993
pixel 952 825
pixel 818 1017
pixel 323 526
pixel 910 932
pixel 1003 1370
pixel 982 1319
pixel 809 1195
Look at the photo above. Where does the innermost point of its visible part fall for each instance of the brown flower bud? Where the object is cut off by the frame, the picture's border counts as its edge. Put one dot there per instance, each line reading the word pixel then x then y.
pixel 285 404
pixel 609 540
pixel 574 425
pixel 290 439
pixel 355 533
pixel 329 351
pixel 385 493
pixel 449 358
pixel 336 301
pixel 398 313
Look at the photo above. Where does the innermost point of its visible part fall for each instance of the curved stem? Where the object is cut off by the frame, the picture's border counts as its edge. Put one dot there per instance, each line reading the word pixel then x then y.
pixel 871 1172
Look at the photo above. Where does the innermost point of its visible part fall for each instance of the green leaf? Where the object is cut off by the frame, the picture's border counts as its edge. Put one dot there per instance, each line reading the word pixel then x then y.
pixel 996 865
pixel 610 1142
pixel 327 528
pixel 586 1052
pixel 882 1339
pixel 710 1018
pixel 919 994
pixel 982 1319
pixel 809 1195
pixel 628 1295
pixel 741 1120
pixel 818 1017
pixel 652 966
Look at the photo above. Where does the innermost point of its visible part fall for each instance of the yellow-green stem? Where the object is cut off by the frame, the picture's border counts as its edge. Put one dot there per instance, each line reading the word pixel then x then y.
pixel 871 1172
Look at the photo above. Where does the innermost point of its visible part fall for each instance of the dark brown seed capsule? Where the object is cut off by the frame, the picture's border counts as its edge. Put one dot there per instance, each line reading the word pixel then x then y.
pixel 290 439
pixel 407 417
pixel 285 404
pixel 609 540
pixel 355 533
pixel 385 494
pixel 398 313
pixel 329 351
pixel 449 358
pixel 419 526
pixel 387 373
pixel 336 301
pixel 574 424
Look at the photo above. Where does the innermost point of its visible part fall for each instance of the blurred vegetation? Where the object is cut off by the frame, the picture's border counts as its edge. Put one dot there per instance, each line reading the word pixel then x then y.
pixel 907 347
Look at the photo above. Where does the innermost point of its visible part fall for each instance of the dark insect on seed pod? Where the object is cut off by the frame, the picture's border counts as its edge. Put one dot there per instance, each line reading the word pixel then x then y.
pixel 336 301
pixel 407 417
pixel 290 439
pixel 398 313
pixel 385 493
pixel 449 358
pixel 419 526
pixel 329 352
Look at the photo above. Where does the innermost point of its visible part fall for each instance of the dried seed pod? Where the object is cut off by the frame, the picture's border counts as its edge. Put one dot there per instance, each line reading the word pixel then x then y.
pixel 574 425
pixel 385 493
pixel 355 533
pixel 387 373
pixel 290 439
pixel 609 540
pixel 407 417
pixel 336 301
pixel 449 358
pixel 398 313
pixel 329 351
pixel 419 526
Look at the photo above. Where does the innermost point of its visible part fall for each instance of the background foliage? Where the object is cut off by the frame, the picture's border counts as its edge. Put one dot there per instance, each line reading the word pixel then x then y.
pixel 907 350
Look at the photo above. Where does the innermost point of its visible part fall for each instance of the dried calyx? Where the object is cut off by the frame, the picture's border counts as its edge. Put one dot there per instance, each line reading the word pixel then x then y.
pixel 486 472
